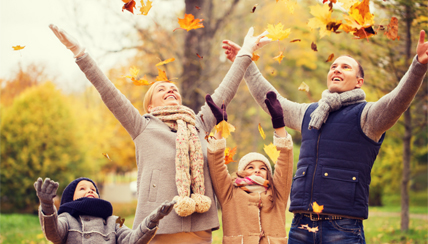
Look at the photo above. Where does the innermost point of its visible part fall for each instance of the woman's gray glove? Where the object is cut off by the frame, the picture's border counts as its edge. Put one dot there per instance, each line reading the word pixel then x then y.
pixel 68 41
pixel 46 191
pixel 152 220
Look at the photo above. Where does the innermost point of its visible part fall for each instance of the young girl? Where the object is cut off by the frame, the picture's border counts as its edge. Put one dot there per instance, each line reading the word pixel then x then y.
pixel 253 205
pixel 85 218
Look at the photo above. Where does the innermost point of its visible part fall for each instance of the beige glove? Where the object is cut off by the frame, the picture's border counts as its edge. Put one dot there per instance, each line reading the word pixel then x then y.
pixel 68 41
pixel 252 43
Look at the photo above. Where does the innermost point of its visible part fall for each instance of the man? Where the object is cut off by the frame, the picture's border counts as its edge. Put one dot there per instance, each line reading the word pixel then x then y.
pixel 341 137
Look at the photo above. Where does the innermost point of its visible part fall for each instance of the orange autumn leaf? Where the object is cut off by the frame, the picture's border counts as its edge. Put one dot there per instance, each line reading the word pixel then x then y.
pixel 228 155
pixel 330 58
pixel 162 76
pixel 197 7
pixel 360 21
pixel 189 23
pixel 317 208
pixel 129 5
pixel 120 221
pixel 141 82
pixel 279 57
pixel 277 32
pixel 272 152
pixel 255 57
pixel 145 8
pixel 224 128
pixel 392 29
pixel 303 87
pixel 165 61
pixel 199 56
pixel 262 133
pixel 18 47
pixel 106 155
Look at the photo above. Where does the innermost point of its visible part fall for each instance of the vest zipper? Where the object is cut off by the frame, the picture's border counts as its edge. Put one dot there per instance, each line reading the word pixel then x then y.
pixel 315 169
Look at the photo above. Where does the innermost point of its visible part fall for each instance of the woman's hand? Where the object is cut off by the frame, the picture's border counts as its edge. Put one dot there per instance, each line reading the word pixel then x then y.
pixel 219 113
pixel 46 191
pixel 252 43
pixel 422 48
pixel 276 113
pixel 68 41
pixel 231 49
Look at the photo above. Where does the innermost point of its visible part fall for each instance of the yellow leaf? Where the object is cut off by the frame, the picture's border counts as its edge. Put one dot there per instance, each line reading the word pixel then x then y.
pixel 279 57
pixel 224 128
pixel 346 4
pixel 255 57
pixel 317 208
pixel 303 87
pixel 141 82
pixel 330 58
pixel 106 155
pixel 134 72
pixel 228 155
pixel 165 62
pixel 360 20
pixel 18 47
pixel 161 76
pixel 40 236
pixel 189 22
pixel 262 133
pixel 145 8
pixel 277 33
pixel 322 19
pixel 272 152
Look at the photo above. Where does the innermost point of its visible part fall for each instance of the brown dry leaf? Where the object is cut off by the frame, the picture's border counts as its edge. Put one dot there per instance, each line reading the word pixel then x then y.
pixel 279 57
pixel 272 152
pixel 255 57
pixel 303 87
pixel 334 26
pixel 314 46
pixel 392 29
pixel 254 8
pixel 189 23
pixel 165 61
pixel 120 221
pixel 295 40
pixel 228 155
pixel 145 8
pixel 224 128
pixel 330 58
pixel 262 133
pixel 18 47
pixel 317 208
pixel 129 5
pixel 106 155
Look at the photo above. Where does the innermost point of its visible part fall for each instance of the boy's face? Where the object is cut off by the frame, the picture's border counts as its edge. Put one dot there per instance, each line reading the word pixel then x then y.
pixel 85 189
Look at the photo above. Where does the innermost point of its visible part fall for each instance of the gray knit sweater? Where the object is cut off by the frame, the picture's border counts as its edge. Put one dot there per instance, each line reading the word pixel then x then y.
pixel 376 118
pixel 155 147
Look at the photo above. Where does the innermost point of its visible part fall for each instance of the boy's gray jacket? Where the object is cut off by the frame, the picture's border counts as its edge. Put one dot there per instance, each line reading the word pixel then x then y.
pixel 155 147
pixel 88 229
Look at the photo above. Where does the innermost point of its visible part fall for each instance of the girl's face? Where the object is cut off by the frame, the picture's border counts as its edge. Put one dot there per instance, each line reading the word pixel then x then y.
pixel 165 94
pixel 256 168
pixel 85 189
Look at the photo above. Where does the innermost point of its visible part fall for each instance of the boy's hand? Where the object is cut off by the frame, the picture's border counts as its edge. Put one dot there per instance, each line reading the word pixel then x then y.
pixel 152 220
pixel 275 110
pixel 46 191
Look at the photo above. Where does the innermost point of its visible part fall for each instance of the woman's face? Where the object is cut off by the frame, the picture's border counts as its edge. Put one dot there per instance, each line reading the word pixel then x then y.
pixel 256 168
pixel 165 94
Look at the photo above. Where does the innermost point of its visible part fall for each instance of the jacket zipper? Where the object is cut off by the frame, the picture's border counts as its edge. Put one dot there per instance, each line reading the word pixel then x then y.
pixel 315 169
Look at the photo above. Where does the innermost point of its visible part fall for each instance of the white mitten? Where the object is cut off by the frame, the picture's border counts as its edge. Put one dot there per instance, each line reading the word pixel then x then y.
pixel 68 41
pixel 252 43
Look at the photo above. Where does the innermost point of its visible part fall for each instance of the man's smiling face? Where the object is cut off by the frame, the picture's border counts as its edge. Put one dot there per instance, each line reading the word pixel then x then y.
pixel 343 75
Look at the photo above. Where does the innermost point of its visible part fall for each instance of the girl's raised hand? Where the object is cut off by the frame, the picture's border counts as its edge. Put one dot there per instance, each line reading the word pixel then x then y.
pixel 68 41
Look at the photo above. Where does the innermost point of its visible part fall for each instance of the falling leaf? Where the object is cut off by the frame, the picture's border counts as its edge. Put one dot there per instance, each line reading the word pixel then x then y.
pixel 199 56
pixel 262 133
pixel 18 47
pixel 106 155
pixel 145 8
pixel 224 128
pixel 272 152
pixel 306 227
pixel 392 29
pixel 165 62
pixel 255 57
pixel 317 208
pixel 130 5
pixel 197 7
pixel 228 155
pixel 314 46
pixel 254 8
pixel 303 87
pixel 120 221
pixel 330 58
pixel 139 82
pixel 142 82
pixel 276 32
pixel 359 22
pixel 162 76
pixel 347 4
pixel 334 26
pixel 189 22
pixel 279 57
pixel 295 40
pixel 322 18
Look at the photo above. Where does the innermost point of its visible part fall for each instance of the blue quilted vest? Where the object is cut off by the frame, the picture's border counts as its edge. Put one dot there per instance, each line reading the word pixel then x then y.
pixel 335 164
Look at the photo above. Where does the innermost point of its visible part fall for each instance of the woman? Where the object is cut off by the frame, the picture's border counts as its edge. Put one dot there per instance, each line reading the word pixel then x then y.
pixel 168 135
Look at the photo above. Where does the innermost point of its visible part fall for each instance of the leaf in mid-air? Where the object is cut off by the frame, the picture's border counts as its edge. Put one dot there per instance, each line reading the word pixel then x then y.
pixel 303 87
pixel 165 61
pixel 317 208
pixel 279 57
pixel 295 40
pixel 254 8
pixel 129 5
pixel 314 47
pixel 330 58
pixel 255 57
pixel 106 155
pixel 272 152
pixel 189 23
pixel 360 21
pixel 141 82
pixel 224 128
pixel 145 8
pixel 392 30
pixel 228 155
pixel 277 32
pixel 18 47
pixel 120 221
pixel 162 76
pixel 199 56
pixel 262 133
pixel 322 19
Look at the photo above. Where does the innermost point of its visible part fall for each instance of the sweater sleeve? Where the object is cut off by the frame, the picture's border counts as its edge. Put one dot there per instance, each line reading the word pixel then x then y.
pixel 55 228
pixel 379 116
pixel 225 91
pixel 284 166
pixel 141 235
pixel 115 101
pixel 259 86
pixel 220 177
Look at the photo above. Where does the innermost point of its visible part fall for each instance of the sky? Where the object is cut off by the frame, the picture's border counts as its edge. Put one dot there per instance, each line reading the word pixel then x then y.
pixel 26 24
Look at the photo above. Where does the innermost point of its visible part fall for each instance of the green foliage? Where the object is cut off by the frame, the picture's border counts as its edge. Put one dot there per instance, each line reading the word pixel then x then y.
pixel 21 228
pixel 39 139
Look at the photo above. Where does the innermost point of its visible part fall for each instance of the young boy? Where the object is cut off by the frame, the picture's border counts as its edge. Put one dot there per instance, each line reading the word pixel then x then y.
pixel 84 217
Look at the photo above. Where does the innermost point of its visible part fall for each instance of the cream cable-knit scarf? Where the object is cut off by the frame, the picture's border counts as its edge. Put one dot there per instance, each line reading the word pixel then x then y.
pixel 331 102
pixel 189 167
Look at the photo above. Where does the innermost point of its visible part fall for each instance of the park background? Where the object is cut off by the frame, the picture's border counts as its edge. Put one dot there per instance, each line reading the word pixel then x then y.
pixel 54 124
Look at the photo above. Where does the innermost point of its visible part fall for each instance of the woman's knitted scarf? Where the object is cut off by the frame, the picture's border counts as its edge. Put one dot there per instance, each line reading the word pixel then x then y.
pixel 332 101
pixel 252 183
pixel 189 159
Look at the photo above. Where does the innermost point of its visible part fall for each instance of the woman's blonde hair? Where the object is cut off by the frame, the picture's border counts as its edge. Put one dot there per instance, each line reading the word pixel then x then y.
pixel 148 96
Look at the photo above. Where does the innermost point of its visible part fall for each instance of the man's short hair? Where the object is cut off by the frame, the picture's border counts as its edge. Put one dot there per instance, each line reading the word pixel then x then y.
pixel 360 68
